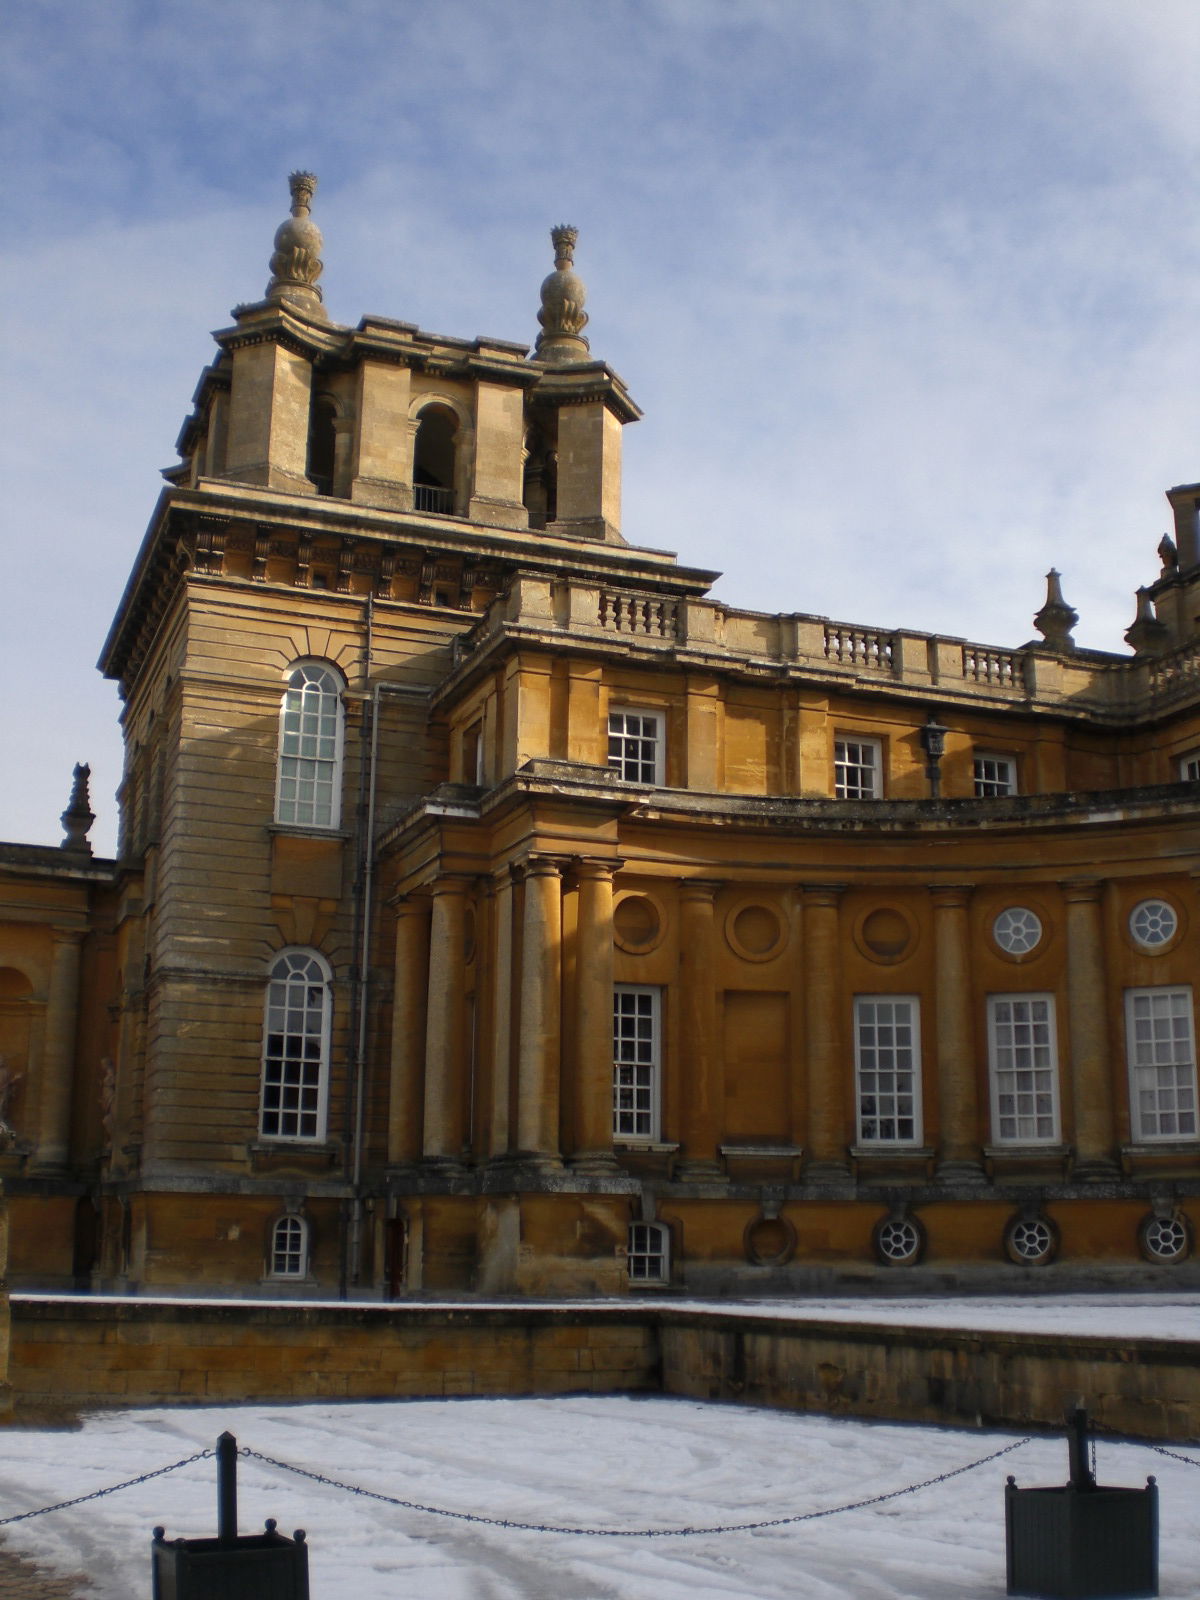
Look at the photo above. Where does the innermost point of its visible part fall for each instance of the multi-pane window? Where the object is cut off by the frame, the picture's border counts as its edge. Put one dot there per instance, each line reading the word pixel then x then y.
pixel 857 769
pixel 637 1050
pixel 1161 1051
pixel 1189 767
pixel 289 1248
pixel 296 1047
pixel 994 775
pixel 635 745
pixel 887 1057
pixel 310 748
pixel 1153 923
pixel 648 1254
pixel 1024 1068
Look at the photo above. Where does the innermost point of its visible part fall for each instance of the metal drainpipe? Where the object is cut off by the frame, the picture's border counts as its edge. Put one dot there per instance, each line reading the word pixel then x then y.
pixel 361 898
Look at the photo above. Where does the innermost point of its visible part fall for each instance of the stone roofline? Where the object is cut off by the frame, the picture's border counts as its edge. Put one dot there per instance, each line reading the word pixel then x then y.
pixel 701 634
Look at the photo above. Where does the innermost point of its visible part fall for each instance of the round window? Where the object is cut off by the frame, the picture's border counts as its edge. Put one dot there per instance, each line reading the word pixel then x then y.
pixel 1030 1241
pixel 898 1242
pixel 1153 923
pixel 1164 1239
pixel 1017 930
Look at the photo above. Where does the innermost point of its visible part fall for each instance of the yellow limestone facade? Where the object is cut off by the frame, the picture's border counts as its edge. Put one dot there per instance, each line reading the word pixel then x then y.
pixel 496 912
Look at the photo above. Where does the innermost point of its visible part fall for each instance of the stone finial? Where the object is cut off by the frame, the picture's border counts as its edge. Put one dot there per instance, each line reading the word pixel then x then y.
pixel 1056 618
pixel 78 817
pixel 1146 635
pixel 296 264
pixel 562 316
pixel 1167 553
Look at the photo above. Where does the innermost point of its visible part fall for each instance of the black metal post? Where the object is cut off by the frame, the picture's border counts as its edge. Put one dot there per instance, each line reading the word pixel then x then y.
pixel 1077 1448
pixel 227 1515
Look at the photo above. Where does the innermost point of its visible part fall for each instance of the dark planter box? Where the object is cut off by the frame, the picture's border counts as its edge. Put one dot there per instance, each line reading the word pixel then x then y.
pixel 1075 1543
pixel 256 1566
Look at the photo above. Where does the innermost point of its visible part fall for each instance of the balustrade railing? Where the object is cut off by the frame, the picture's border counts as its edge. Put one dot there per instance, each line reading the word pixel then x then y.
pixel 647 615
pixel 858 647
pixel 1001 669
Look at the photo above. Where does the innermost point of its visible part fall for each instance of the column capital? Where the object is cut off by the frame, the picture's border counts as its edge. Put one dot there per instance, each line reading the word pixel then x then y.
pixel 410 905
pixel 542 866
pixel 1082 891
pixel 822 894
pixel 68 935
pixel 700 888
pixel 950 896
pixel 596 868
pixel 452 883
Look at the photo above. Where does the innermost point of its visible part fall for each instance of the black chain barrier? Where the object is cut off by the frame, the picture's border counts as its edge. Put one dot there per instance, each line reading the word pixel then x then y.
pixel 98 1494
pixel 631 1533
pixel 547 1527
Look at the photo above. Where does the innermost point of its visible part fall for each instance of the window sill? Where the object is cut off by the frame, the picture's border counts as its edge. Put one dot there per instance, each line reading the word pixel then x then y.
pixel 913 1152
pixel 654 1146
pixel 307 830
pixel 274 1155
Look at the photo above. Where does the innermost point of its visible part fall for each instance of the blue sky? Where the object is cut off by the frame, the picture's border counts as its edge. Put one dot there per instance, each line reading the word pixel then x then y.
pixel 906 288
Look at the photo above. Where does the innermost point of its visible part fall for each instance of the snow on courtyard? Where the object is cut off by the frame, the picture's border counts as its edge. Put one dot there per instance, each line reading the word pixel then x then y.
pixel 616 1462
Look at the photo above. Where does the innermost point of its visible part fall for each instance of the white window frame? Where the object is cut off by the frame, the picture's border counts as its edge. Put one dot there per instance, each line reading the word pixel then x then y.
pixel 857 767
pixel 1160 1050
pixel 637 744
pixel 297 1028
pixel 879 1068
pixel 994 774
pixel 289 1259
pixel 308 774
pixel 637 1063
pixel 648 1252
pixel 1023 1070
pixel 1189 767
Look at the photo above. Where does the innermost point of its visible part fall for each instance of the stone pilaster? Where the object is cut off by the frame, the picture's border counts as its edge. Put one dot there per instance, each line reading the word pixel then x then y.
pixel 58 1052
pixel 826 1069
pixel 594 1020
pixel 410 999
pixel 498 1134
pixel 540 1047
pixel 444 1129
pixel 959 1152
pixel 1087 1020
pixel 700 1082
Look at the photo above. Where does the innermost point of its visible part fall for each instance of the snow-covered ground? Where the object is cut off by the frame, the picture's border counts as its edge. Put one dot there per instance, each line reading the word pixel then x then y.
pixel 604 1462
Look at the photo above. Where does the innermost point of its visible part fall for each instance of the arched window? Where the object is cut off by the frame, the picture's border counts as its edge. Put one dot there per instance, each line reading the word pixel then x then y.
pixel 648 1253
pixel 434 460
pixel 310 748
pixel 295 1070
pixel 322 442
pixel 289 1248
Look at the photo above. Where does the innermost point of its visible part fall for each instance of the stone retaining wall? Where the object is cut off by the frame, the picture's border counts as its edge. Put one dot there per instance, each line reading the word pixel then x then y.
pixel 102 1352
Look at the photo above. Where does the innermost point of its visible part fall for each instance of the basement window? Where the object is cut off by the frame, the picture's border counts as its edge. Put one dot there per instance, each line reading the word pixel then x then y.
pixel 289 1248
pixel 648 1256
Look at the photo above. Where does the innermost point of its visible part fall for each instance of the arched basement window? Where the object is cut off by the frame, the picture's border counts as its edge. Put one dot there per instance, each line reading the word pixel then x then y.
pixel 296 1031
pixel 289 1248
pixel 434 460
pixel 322 442
pixel 308 788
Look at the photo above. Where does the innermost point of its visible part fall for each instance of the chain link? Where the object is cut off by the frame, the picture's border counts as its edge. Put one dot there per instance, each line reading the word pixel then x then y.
pixel 1161 1450
pixel 630 1533
pixel 98 1494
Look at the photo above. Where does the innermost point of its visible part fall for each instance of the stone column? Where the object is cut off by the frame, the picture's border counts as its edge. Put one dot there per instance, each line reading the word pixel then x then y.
pixel 959 1152
pixel 1087 1020
pixel 58 1051
pixel 502 1015
pixel 594 1020
pixel 444 1131
pixel 701 1088
pixel 826 1068
pixel 410 996
pixel 540 1048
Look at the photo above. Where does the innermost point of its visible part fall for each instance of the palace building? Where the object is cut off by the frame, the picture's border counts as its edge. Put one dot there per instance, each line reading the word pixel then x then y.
pixel 496 912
